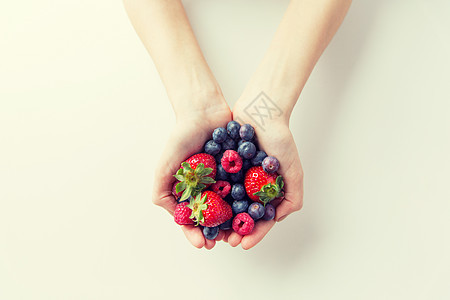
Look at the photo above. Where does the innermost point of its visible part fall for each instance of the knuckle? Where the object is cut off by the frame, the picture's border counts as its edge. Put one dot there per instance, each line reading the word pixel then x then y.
pixel 156 200
pixel 297 206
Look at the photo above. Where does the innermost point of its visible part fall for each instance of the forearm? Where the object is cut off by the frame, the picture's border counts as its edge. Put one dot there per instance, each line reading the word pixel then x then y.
pixel 165 31
pixel 303 34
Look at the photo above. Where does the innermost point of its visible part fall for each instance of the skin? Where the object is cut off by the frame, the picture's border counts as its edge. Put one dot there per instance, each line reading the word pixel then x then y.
pixel 303 34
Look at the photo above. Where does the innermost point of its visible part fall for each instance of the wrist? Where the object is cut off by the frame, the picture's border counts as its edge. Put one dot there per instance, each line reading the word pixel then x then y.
pixel 199 106
pixel 262 109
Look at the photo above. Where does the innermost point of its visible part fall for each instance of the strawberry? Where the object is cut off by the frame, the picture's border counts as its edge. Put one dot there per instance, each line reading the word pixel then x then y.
pixel 262 186
pixel 209 210
pixel 195 174
pixel 182 214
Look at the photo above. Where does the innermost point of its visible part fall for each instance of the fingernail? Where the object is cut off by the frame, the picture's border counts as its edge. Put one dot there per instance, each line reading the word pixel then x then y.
pixel 282 218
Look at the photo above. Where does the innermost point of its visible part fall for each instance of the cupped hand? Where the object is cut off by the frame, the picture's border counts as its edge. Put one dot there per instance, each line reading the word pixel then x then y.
pixel 192 129
pixel 276 139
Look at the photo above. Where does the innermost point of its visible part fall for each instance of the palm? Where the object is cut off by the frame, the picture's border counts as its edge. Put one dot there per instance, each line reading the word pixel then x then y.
pixel 276 140
pixel 187 138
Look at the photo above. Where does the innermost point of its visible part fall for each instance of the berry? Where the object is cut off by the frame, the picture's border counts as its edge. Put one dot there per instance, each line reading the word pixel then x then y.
pixel 238 191
pixel 247 164
pixel 256 210
pixel 210 233
pixel 240 143
pixel 212 147
pixel 233 129
pixel 270 164
pixel 246 132
pixel 231 161
pixel 237 177
pixel 229 144
pixel 258 158
pixel 262 186
pixel 270 212
pixel 218 156
pixel 221 173
pixel 227 225
pixel 209 210
pixel 195 174
pixel 182 214
pixel 243 224
pixel 247 150
pixel 219 135
pixel 221 188
pixel 239 206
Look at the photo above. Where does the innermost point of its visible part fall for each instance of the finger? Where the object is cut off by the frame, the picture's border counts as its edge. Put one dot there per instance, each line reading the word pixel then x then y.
pixel 194 235
pixel 209 244
pixel 286 208
pixel 220 236
pixel 162 191
pixel 234 239
pixel 276 202
pixel 258 233
pixel 168 165
pixel 293 197
pixel 227 234
pixel 167 202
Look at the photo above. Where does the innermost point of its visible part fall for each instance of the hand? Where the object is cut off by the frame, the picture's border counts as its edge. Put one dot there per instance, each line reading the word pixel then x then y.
pixel 275 139
pixel 192 130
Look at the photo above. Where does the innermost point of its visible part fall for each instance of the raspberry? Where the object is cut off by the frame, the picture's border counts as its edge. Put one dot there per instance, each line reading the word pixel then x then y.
pixel 243 224
pixel 221 188
pixel 231 161
pixel 182 214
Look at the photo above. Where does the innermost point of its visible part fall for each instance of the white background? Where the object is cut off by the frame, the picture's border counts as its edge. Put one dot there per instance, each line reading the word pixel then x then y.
pixel 83 117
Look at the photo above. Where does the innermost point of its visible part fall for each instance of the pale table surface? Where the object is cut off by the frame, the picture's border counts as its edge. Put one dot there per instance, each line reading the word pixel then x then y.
pixel 83 117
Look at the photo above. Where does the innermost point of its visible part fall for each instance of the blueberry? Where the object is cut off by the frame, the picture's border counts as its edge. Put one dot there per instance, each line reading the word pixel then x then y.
pixel 270 212
pixel 211 233
pixel 237 177
pixel 219 135
pixel 259 157
pixel 240 143
pixel 246 132
pixel 212 147
pixel 239 206
pixel 238 191
pixel 229 144
pixel 247 150
pixel 227 225
pixel 270 164
pixel 246 164
pixel 233 129
pixel 221 173
pixel 256 210
pixel 218 157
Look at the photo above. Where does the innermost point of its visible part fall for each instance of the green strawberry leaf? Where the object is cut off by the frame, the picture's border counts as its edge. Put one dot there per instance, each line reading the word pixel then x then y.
pixel 179 177
pixel 187 192
pixel 280 182
pixel 207 171
pixel 199 169
pixel 186 167
pixel 180 186
pixel 207 180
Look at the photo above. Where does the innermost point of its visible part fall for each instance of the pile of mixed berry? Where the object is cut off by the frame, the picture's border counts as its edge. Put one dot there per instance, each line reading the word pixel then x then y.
pixel 229 185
